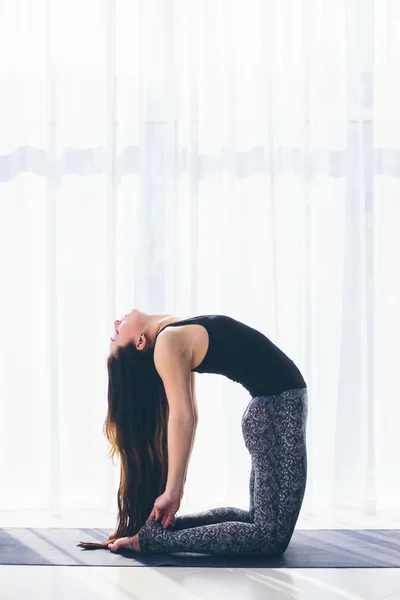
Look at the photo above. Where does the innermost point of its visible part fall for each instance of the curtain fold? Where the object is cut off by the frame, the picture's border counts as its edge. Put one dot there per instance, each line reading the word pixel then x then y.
pixel 211 156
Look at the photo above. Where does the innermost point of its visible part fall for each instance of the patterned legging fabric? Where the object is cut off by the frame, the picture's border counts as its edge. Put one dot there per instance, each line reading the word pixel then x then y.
pixel 274 431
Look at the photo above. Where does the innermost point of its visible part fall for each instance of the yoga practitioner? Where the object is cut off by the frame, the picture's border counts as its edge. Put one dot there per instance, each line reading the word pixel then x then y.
pixel 151 424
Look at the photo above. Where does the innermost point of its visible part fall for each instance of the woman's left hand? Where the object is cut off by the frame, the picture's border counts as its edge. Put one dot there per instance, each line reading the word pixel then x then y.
pixel 165 507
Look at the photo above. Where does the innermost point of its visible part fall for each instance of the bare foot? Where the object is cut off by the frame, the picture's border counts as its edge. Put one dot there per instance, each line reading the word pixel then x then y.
pixel 128 543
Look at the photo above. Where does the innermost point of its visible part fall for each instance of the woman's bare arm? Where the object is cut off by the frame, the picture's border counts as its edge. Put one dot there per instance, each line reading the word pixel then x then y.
pixel 173 363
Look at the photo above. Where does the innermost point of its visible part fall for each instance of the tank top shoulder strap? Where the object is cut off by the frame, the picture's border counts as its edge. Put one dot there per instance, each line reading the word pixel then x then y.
pixel 187 321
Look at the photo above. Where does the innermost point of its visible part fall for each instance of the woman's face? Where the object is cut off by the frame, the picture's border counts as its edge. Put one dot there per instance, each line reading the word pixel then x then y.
pixel 128 328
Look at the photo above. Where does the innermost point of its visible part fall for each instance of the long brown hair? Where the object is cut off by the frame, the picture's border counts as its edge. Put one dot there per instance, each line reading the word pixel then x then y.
pixel 136 427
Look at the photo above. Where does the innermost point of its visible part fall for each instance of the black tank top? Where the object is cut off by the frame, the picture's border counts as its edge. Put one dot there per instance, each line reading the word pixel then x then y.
pixel 244 355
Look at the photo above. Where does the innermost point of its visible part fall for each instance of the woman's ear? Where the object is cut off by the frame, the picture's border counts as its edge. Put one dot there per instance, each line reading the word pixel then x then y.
pixel 142 342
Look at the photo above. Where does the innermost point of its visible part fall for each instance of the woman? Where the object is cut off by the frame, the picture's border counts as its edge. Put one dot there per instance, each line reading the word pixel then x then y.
pixel 151 424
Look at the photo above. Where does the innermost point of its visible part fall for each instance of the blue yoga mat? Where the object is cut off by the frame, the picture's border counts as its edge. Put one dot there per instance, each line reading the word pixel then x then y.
pixel 308 548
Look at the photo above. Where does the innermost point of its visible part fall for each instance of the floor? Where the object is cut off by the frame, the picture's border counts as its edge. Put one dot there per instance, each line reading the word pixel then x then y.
pixel 193 583
pixel 185 583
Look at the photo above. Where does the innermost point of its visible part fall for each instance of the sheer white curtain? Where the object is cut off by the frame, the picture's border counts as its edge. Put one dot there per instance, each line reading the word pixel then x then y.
pixel 204 156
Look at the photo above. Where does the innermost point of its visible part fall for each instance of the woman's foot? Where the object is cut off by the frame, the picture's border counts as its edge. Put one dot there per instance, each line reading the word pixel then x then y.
pixel 126 543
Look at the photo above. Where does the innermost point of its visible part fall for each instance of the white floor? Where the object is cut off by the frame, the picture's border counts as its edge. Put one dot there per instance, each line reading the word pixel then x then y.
pixel 177 583
pixel 194 583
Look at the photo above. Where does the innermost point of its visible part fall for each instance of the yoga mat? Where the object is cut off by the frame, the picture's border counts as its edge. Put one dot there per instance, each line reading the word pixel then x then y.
pixel 308 548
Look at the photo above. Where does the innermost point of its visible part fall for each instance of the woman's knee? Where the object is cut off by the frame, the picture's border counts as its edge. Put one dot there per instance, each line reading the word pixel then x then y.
pixel 270 546
pixel 282 547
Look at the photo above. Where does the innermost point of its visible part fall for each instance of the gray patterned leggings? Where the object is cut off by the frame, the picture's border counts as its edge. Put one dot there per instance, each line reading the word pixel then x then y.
pixel 274 431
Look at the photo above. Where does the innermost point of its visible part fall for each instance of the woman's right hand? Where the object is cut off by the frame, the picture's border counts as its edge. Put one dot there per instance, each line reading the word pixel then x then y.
pixel 165 507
